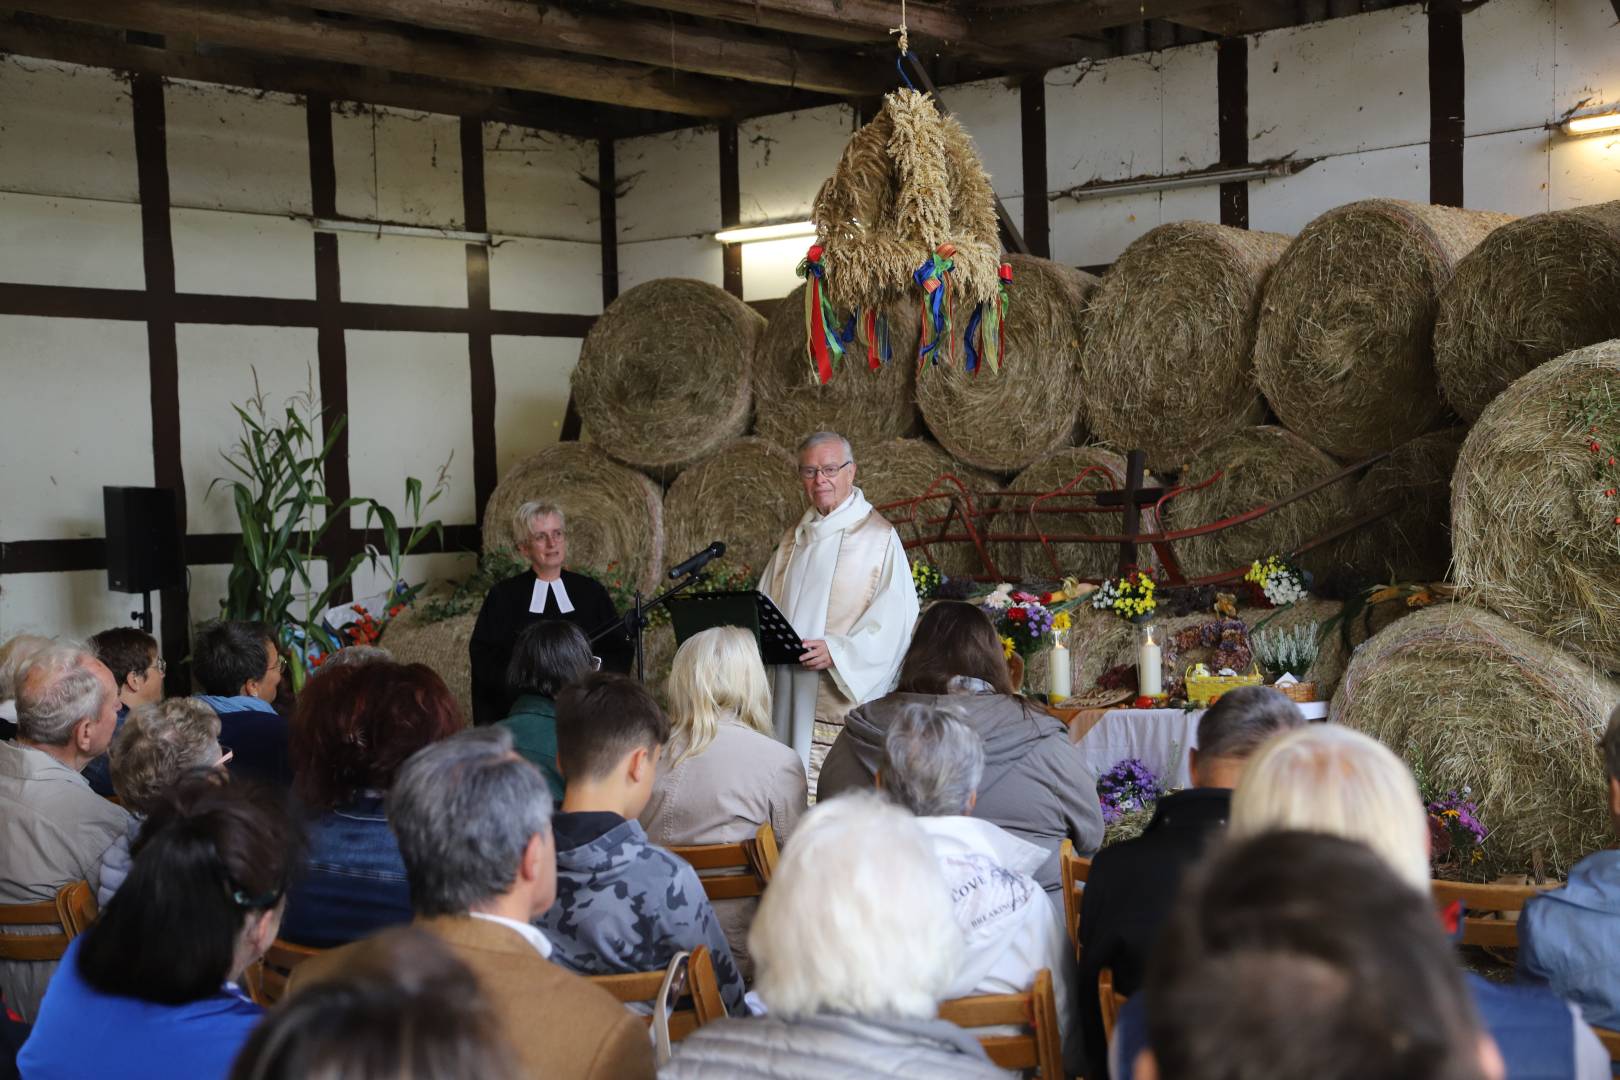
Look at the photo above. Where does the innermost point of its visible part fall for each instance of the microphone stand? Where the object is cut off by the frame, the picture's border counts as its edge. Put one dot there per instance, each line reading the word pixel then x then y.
pixel 634 621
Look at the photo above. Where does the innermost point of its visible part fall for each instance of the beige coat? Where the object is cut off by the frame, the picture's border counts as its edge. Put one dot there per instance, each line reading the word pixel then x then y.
pixel 741 781
pixel 562 1027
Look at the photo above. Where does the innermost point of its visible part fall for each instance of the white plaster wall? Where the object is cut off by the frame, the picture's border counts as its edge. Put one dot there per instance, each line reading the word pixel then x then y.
pixel 559 276
pixel 209 246
pixel 65 130
pixel 689 257
pixel 74 605
pixel 770 267
pixel 668 206
pixel 397 165
pixel 992 114
pixel 232 149
pixel 539 184
pixel 781 161
pixel 386 269
pixel 45 240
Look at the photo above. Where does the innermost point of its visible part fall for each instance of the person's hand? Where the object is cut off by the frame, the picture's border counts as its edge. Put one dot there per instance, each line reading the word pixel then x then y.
pixel 815 656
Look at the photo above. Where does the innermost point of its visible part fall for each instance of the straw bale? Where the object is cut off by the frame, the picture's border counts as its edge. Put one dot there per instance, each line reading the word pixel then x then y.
pixel 1413 541
pixel 663 375
pixel 746 495
pixel 1343 351
pixel 1168 360
pixel 441 645
pixel 1087 561
pixel 1261 464
pixel 906 468
pixel 1534 289
pixel 861 404
pixel 1470 700
pixel 1006 421
pixel 1535 534
pixel 615 515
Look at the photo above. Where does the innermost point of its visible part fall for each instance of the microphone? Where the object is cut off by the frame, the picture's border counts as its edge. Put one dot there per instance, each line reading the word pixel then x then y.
pixel 700 560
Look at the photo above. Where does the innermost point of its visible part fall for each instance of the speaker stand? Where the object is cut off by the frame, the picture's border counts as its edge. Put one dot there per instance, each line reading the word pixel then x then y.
pixel 144 616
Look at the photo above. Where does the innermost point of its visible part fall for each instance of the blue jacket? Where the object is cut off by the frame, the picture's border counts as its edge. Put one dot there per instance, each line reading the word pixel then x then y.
pixel 1569 939
pixel 82 1032
pixel 256 735
pixel 354 883
pixel 99 771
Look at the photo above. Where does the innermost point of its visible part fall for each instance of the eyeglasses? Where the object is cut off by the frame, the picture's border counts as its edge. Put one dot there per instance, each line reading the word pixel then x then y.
pixel 225 755
pixel 161 664
pixel 596 663
pixel 808 472
pixel 552 537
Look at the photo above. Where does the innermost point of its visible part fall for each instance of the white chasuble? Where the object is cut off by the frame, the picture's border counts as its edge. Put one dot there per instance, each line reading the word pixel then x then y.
pixel 843 578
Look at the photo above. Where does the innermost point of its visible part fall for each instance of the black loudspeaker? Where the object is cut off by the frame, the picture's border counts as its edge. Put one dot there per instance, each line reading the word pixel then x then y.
pixel 143 540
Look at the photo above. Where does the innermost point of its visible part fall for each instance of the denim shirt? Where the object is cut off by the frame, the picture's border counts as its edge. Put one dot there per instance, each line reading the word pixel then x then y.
pixel 354 882
pixel 1569 939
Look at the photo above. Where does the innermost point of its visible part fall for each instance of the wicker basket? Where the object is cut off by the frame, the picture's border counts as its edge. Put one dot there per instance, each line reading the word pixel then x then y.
pixel 1301 692
pixel 1205 690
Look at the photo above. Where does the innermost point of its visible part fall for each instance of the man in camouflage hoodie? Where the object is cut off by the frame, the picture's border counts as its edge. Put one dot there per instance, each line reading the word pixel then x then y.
pixel 623 904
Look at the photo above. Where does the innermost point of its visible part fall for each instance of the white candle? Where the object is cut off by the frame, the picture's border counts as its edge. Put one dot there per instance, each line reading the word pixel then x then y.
pixel 1057 675
pixel 1149 672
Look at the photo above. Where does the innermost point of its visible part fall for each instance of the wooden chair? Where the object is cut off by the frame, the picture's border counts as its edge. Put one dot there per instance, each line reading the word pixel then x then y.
pixel 1040 1049
pixel 73 909
pixel 701 985
pixel 734 871
pixel 1109 1001
pixel 267 980
pixel 1610 1041
pixel 1490 912
pixel 1075 871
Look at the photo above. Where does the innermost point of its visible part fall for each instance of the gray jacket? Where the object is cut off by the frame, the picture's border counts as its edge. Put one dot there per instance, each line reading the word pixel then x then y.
pixel 830 1047
pixel 1035 784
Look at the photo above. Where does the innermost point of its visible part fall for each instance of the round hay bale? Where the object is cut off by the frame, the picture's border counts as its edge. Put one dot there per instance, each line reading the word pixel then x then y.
pixel 1168 361
pixel 1535 534
pixel 1004 421
pixel 615 515
pixel 1413 541
pixel 1469 700
pixel 905 468
pixel 441 645
pixel 1260 465
pixel 860 404
pixel 1343 350
pixel 1086 561
pixel 1534 289
pixel 663 376
pixel 746 495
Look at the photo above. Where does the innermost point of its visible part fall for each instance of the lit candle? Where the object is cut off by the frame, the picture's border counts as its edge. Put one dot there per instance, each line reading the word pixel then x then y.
pixel 1057 674
pixel 1149 669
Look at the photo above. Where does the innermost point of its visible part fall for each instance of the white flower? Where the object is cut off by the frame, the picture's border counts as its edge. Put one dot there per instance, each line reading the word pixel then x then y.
pixel 1001 597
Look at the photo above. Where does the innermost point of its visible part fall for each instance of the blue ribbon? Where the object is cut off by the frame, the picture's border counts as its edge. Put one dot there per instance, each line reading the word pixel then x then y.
pixel 967 338
pixel 936 308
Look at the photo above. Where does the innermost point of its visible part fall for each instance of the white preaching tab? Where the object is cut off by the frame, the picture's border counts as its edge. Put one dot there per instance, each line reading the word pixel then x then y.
pixel 537 602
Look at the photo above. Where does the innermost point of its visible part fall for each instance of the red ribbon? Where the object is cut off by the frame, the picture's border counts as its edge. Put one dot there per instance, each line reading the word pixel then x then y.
pixel 874 357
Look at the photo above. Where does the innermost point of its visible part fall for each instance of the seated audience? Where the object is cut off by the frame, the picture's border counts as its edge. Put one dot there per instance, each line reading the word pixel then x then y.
pixel 931 765
pixel 1293 955
pixel 547 657
pixel 131 655
pixel 53 828
pixel 622 904
pixel 353 729
pixel 1132 885
pixel 404 1008
pixel 14 656
pixel 351 656
pixel 239 669
pixel 1569 938
pixel 159 746
pixel 1330 779
pixel 475 830
pixel 855 944
pixel 1036 784
pixel 723 774
pixel 151 989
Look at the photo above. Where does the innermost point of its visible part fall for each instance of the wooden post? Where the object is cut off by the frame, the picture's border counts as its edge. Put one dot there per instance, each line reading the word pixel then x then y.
pixel 1131 512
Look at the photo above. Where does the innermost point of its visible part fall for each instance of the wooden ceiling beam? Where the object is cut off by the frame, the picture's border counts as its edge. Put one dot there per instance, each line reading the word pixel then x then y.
pixel 602 81
pixel 1242 17
pixel 1011 28
pixel 683 48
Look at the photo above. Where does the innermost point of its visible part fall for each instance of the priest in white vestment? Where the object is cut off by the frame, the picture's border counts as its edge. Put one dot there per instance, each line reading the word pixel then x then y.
pixel 841 577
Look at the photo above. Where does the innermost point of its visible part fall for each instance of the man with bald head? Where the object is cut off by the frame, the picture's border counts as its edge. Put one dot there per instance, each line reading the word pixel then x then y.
pixel 841 577
pixel 53 828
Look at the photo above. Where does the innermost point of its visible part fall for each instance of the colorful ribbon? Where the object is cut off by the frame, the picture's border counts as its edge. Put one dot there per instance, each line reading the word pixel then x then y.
pixel 931 277
pixel 824 344
pixel 984 333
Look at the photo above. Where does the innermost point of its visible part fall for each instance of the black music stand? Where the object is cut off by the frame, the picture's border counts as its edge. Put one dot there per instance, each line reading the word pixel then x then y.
pixel 753 611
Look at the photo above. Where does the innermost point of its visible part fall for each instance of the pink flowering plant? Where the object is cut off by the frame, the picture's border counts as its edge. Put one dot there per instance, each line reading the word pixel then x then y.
pixel 1024 621
pixel 1127 787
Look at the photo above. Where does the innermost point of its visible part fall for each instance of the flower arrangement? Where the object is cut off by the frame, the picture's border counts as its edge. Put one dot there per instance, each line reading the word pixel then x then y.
pixel 1278 579
pixel 1290 650
pixel 927 578
pixel 1025 623
pixel 1456 835
pixel 1128 597
pixel 1128 786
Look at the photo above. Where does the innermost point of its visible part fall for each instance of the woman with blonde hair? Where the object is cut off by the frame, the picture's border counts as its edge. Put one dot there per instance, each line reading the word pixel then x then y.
pixel 723 773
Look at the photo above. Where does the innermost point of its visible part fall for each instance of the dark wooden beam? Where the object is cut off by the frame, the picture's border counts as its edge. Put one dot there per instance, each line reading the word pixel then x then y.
pixel 645 41
pixel 1011 29
pixel 1242 17
pixel 314 39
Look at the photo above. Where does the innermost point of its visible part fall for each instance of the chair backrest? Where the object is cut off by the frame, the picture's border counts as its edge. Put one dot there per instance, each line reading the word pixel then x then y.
pixel 701 985
pixel 1039 1049
pixel 734 871
pixel 268 981
pixel 1109 1001
pixel 1075 871
pixel 1490 912
pixel 1610 1041
pixel 72 910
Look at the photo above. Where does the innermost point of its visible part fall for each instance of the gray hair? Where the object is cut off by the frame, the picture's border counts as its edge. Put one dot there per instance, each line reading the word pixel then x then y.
pixel 1236 725
pixel 15 655
pixel 464 810
pixel 815 439
pixel 528 512
pixel 353 656
pixel 159 744
pixel 58 690
pixel 932 762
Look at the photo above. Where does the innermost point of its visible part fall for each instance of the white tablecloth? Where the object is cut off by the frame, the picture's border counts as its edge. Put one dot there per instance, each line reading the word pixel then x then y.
pixel 1159 738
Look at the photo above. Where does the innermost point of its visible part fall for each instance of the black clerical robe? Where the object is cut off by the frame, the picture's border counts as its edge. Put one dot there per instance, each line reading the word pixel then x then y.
pixel 506 614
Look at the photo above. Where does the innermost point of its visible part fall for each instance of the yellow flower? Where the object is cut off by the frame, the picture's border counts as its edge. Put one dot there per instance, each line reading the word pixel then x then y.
pixel 1008 648
pixel 1060 621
